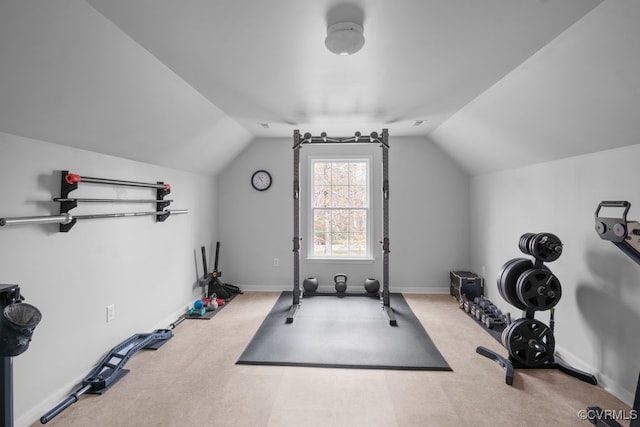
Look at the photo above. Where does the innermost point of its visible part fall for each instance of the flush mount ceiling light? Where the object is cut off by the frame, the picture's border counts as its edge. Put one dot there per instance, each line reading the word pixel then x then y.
pixel 344 38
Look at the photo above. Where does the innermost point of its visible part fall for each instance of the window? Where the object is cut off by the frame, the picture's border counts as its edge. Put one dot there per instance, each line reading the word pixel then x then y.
pixel 340 208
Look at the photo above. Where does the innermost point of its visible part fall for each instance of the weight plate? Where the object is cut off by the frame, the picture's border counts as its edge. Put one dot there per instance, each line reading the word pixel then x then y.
pixel 529 342
pixel 524 243
pixel 539 289
pixel 546 247
pixel 505 334
pixel 504 268
pixel 509 279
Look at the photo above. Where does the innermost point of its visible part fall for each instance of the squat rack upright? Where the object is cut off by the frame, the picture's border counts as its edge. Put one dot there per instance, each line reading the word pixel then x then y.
pixel 298 142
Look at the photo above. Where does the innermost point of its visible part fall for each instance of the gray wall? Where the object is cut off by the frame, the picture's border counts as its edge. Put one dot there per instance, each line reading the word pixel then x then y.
pixel 598 315
pixel 148 270
pixel 429 219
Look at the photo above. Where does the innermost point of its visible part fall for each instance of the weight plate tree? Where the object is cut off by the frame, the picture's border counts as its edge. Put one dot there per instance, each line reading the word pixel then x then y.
pixel 298 142
pixel 531 286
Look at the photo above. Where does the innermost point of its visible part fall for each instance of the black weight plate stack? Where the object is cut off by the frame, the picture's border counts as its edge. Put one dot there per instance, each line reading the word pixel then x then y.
pixel 523 244
pixel 546 247
pixel 529 342
pixel 508 278
pixel 539 289
pixel 501 273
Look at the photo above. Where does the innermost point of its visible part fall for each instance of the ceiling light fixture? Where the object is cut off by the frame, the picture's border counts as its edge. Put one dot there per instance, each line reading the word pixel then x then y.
pixel 344 38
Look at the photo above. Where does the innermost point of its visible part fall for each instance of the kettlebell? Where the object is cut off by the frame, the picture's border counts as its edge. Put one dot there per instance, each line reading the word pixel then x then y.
pixel 340 282
pixel 310 284
pixel 372 285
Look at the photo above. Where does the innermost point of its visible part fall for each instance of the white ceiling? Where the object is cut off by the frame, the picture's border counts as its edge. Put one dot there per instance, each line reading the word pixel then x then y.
pixel 578 95
pixel 186 84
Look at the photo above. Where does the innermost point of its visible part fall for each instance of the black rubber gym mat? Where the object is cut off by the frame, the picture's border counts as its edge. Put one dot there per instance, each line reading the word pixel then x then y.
pixel 343 332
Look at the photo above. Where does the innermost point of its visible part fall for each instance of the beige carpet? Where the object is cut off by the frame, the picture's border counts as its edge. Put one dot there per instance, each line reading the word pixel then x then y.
pixel 193 381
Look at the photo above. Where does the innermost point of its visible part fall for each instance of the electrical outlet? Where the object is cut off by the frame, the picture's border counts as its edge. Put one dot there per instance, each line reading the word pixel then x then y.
pixel 111 313
pixel 276 262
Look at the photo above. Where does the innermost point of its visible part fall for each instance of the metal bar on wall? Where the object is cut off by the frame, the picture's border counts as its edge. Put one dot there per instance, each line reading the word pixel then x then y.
pixel 68 218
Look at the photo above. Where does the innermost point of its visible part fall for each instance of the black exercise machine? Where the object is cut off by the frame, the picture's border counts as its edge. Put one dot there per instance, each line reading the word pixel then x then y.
pixel 626 236
pixel 298 142
pixel 621 232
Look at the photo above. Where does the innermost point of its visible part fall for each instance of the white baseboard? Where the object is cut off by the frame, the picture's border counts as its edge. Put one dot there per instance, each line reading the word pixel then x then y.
pixel 436 290
pixel 33 414
pixel 262 288
pixel 401 289
pixel 604 381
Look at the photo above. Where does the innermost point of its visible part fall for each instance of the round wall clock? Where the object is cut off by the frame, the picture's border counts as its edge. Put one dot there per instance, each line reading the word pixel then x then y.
pixel 261 180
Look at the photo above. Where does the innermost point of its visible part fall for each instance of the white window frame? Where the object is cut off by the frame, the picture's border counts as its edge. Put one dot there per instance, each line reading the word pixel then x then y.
pixel 368 257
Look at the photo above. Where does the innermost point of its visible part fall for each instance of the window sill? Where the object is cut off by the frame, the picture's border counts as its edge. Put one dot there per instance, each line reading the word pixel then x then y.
pixel 341 260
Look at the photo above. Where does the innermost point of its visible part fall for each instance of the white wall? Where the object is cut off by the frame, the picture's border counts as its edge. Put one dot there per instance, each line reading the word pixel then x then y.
pixel 598 314
pixel 428 216
pixel 577 95
pixel 148 270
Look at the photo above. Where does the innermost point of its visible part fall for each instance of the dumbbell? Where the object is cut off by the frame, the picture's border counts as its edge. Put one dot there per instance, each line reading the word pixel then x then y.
pixel 479 312
pixel 462 302
pixel 466 305
pixel 492 320
pixel 485 304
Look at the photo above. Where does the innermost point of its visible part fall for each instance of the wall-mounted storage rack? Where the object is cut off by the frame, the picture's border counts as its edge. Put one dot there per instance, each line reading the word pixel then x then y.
pixel 69 182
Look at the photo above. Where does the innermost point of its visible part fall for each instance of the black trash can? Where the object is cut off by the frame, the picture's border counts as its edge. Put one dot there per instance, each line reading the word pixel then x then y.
pixel 17 324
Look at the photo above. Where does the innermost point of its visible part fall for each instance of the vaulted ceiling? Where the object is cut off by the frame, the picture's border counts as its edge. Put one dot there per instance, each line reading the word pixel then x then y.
pixel 188 84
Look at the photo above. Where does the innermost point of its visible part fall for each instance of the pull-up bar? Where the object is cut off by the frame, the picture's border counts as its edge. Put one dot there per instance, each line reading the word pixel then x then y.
pixel 358 137
pixel 66 218
pixel 73 178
